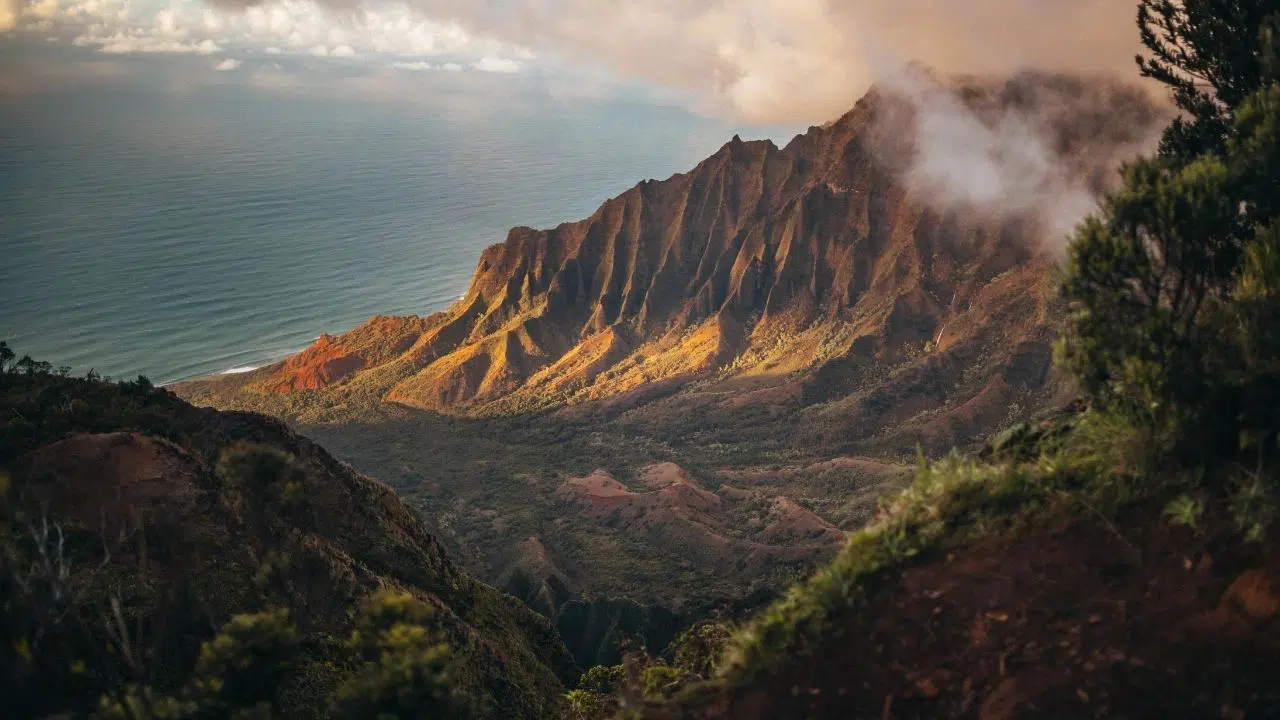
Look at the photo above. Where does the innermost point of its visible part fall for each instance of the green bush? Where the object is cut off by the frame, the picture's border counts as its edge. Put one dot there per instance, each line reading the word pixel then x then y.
pixel 239 674
pixel 699 649
pixel 589 705
pixel 1175 285
pixel 406 671
pixel 246 664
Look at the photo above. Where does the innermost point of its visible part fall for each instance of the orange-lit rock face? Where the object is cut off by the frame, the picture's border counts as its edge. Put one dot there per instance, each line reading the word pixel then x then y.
pixel 333 359
pixel 783 270
pixel 323 363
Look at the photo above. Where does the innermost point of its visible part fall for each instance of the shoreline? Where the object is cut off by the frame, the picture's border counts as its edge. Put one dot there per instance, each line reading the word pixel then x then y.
pixel 240 369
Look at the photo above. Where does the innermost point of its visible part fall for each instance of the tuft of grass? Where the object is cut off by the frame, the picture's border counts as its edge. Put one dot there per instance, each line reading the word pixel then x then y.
pixel 1185 510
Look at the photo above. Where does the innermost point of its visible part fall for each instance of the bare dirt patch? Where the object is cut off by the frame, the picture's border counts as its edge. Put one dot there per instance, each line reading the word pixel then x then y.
pixel 598 485
pixel 792 520
pixel 661 475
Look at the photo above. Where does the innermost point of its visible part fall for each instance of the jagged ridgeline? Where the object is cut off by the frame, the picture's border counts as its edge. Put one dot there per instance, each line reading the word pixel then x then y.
pixel 792 279
pixel 701 390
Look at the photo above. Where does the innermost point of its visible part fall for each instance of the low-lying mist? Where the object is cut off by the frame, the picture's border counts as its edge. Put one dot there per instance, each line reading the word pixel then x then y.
pixel 1040 146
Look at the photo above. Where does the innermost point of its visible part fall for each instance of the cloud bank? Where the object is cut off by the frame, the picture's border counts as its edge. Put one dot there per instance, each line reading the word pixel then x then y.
pixel 1041 147
pixel 378 36
pixel 762 61
pixel 794 60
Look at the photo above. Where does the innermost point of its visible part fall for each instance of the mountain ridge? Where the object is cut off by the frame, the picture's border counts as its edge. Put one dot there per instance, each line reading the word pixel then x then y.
pixel 186 517
pixel 769 268
pixel 747 321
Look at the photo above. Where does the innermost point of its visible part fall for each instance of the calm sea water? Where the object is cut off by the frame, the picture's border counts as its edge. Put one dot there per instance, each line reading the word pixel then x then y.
pixel 181 234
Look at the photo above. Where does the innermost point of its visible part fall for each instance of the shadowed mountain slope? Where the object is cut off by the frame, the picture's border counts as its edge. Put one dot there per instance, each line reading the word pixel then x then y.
pixel 821 277
pixel 165 512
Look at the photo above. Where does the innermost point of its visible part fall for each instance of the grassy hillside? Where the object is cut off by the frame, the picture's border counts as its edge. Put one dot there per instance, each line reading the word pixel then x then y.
pixel 1070 572
pixel 492 490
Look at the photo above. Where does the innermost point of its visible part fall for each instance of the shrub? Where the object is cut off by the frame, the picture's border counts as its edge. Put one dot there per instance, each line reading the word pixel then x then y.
pixel 1175 285
pixel 699 649
pixel 407 667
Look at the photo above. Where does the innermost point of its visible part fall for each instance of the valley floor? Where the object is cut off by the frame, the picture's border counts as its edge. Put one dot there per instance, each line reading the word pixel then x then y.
pixel 680 515
pixel 614 513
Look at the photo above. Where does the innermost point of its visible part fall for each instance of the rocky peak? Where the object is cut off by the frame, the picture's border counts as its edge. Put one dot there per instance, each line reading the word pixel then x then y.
pixel 801 257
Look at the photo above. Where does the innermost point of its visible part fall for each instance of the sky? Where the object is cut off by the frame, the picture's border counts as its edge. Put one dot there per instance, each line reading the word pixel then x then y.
pixel 48 42
pixel 756 61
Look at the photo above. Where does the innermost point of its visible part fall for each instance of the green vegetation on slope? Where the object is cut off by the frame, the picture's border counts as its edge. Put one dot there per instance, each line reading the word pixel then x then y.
pixel 836 316
pixel 488 490
pixel 165 561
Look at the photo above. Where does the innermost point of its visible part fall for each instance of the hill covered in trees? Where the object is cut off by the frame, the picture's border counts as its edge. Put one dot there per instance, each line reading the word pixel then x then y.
pixel 161 560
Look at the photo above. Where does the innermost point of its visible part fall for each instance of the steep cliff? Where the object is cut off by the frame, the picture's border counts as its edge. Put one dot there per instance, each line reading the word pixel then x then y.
pixel 823 276
pixel 783 326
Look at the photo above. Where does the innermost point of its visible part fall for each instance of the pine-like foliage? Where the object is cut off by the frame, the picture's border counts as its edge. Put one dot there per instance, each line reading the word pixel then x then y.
pixel 1174 283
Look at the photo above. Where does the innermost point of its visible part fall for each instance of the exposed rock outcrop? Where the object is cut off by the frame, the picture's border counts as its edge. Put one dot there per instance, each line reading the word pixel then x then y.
pixel 333 359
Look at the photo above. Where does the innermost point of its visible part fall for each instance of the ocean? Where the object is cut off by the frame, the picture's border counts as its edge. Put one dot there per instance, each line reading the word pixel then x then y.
pixel 179 232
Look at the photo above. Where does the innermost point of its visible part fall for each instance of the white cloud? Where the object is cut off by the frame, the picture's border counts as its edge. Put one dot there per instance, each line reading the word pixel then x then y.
pixel 422 65
pixel 398 30
pixel 43 9
pixel 393 31
pixel 227 65
pixel 166 23
pixel 128 44
pixel 493 64
pixel 771 60
pixel 114 12
pixel 279 20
